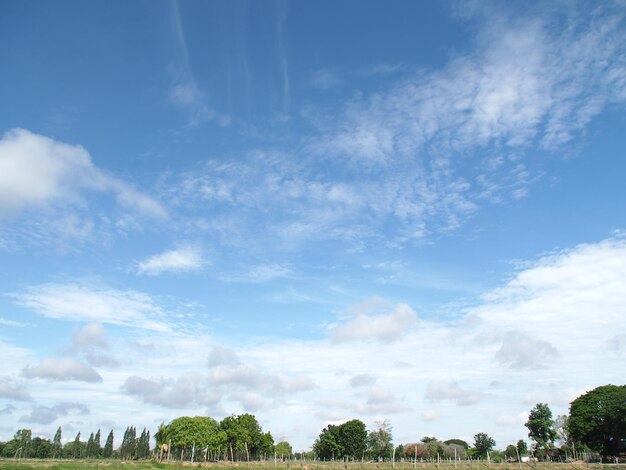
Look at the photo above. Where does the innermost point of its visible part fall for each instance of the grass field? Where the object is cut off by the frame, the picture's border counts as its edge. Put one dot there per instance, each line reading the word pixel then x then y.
pixel 147 465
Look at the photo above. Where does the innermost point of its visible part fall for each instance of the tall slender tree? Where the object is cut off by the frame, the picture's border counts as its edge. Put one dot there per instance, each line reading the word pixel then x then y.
pixel 107 453
pixel 57 447
pixel 97 449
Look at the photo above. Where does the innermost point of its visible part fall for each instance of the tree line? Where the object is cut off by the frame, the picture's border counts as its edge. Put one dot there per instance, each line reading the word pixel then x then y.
pixel 23 445
pixel 596 425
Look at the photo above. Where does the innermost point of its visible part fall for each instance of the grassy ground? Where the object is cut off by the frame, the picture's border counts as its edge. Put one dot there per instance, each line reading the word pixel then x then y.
pixel 10 464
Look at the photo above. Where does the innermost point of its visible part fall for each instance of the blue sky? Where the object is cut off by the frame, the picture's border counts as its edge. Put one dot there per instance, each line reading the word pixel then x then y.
pixel 311 211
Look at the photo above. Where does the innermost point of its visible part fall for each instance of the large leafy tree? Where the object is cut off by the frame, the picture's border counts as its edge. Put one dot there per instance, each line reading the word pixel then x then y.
pixel 185 432
pixel 327 445
pixel 40 448
pixel 541 428
pixel 244 434
pixel 347 440
pixel 353 437
pixel 597 419
pixel 483 443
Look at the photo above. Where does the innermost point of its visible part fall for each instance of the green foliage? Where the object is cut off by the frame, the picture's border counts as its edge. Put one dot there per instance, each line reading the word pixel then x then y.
pixel 283 450
pixel 107 452
pixel 347 440
pixel 128 449
pixel 459 442
pixel 522 448
pixel 40 448
pixel 483 443
pixel 511 452
pixel 540 428
pixel 244 437
pixel 379 446
pixel 57 447
pixel 597 419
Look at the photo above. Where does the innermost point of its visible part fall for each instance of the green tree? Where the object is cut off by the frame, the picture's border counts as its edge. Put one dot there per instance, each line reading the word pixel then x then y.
pixel 522 448
pixel 22 440
pixel 379 446
pixel 107 453
pixel 459 442
pixel 78 450
pixel 483 443
pixel 40 448
pixel 245 437
pixel 352 438
pixel 326 446
pixel 90 447
pixel 97 449
pixel 57 447
pixel 511 452
pixel 597 419
pixel 283 450
pixel 540 428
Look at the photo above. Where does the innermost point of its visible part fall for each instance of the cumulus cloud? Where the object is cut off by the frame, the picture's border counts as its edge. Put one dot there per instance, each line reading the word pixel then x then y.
pixel 362 380
pixel 78 302
pixel 182 391
pixel 36 170
pixel 385 328
pixel 179 260
pixel 62 369
pixel 48 414
pixel 521 351
pixel 227 377
pixel 452 391
pixel 12 390
pixel 91 343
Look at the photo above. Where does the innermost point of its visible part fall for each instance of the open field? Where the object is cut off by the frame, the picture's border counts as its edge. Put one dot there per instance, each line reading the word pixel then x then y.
pixel 146 465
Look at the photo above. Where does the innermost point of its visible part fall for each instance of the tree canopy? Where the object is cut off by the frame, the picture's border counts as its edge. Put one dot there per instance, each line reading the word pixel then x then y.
pixel 541 427
pixel 597 419
pixel 347 440
pixel 483 443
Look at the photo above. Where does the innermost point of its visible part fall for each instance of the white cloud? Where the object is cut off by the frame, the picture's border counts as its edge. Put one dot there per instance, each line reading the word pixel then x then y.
pixel 62 369
pixel 520 350
pixel 76 302
pixel 36 171
pixel 362 380
pixel 12 390
pixel 7 322
pixel 179 260
pixel 452 391
pixel 386 328
pixel 48 414
pixel 227 378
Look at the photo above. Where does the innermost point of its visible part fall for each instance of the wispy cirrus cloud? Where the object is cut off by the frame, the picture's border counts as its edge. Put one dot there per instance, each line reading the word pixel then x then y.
pixel 81 302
